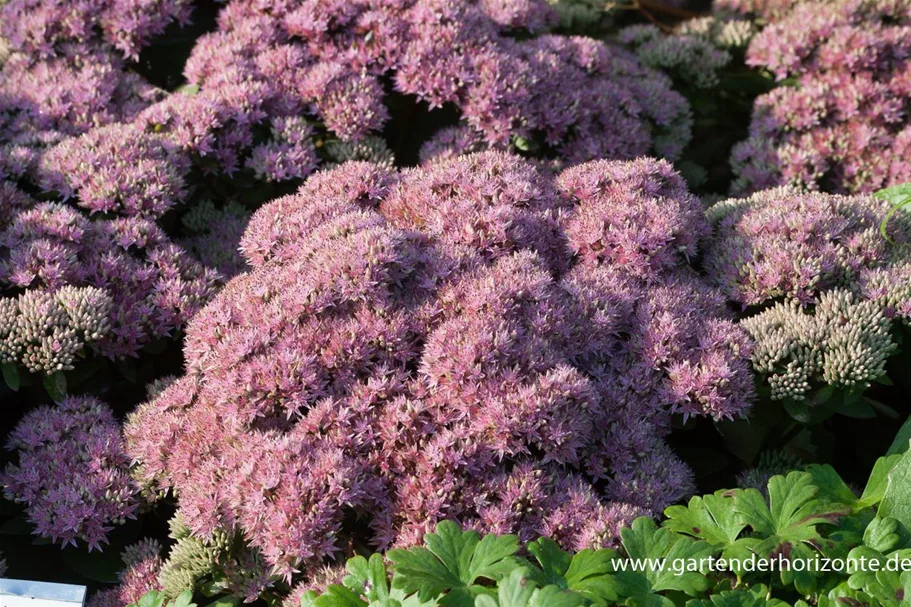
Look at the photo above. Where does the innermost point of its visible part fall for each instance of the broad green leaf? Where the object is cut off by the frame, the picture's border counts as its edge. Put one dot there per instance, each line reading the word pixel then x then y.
pixel 184 599
pixel 832 489
pixel 589 574
pixel 754 597
pixel 898 196
pixel 900 444
pixel 551 596
pixel 55 384
pixel 882 534
pixel 11 376
pixel 896 502
pixel 339 596
pixel 516 589
pixel 151 599
pixel 710 517
pixel 554 561
pixel 657 549
pixel 786 525
pixel 368 578
pixel 452 562
pixel 879 480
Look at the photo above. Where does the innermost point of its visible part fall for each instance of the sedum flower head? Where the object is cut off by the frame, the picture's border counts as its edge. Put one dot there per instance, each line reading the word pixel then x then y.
pixel 143 565
pixel 46 331
pixel 152 286
pixel 265 68
pixel 40 27
pixel 694 59
pixel 842 342
pixel 115 169
pixel 72 473
pixel 473 340
pixel 782 243
pixel 843 127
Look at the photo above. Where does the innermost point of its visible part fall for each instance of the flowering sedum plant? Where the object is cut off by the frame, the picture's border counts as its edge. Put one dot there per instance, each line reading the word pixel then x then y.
pixel 827 277
pixel 838 122
pixel 475 340
pixel 72 473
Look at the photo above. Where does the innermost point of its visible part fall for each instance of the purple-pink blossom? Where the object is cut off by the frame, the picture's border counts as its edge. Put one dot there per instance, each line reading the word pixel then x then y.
pixel 473 340
pixel 72 473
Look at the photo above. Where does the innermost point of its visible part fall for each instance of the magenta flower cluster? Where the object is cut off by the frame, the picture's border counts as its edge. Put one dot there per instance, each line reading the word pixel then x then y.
pixel 336 60
pixel 843 125
pixel 786 244
pixel 475 340
pixel 72 472
pixel 154 286
pixel 40 27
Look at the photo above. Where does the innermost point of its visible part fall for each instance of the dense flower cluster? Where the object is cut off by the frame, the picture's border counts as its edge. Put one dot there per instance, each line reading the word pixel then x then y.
pixel 115 169
pixel 330 60
pixel 838 283
pixel 762 9
pixel 142 565
pixel 786 244
pixel 45 331
pixel 695 59
pixel 843 343
pixel 41 27
pixel 474 340
pixel 727 33
pixel 150 285
pixel 44 101
pixel 72 474
pixel 843 126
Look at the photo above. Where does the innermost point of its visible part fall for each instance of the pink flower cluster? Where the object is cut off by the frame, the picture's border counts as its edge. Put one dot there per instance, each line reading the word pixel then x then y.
pixel 786 244
pixel 843 125
pixel 72 474
pixel 336 62
pixel 44 101
pixel 143 564
pixel 154 285
pixel 40 27
pixel 475 340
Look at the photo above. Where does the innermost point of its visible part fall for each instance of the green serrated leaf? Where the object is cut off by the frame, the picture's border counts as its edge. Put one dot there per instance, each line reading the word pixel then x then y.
pixel 184 599
pixel 832 488
pixel 900 444
pixel 452 562
pixel 898 196
pixel 882 534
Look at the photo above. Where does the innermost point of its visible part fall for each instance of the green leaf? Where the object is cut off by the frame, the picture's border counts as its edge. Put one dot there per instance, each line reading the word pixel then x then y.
pixel 452 562
pixel 151 599
pixel 368 578
pixel 652 547
pixel 516 590
pixel 898 196
pixel 786 525
pixel 879 479
pixel 882 534
pixel 55 384
pixel 184 599
pixel 710 517
pixel 754 597
pixel 11 376
pixel 339 596
pixel 896 502
pixel 900 444
pixel 832 489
